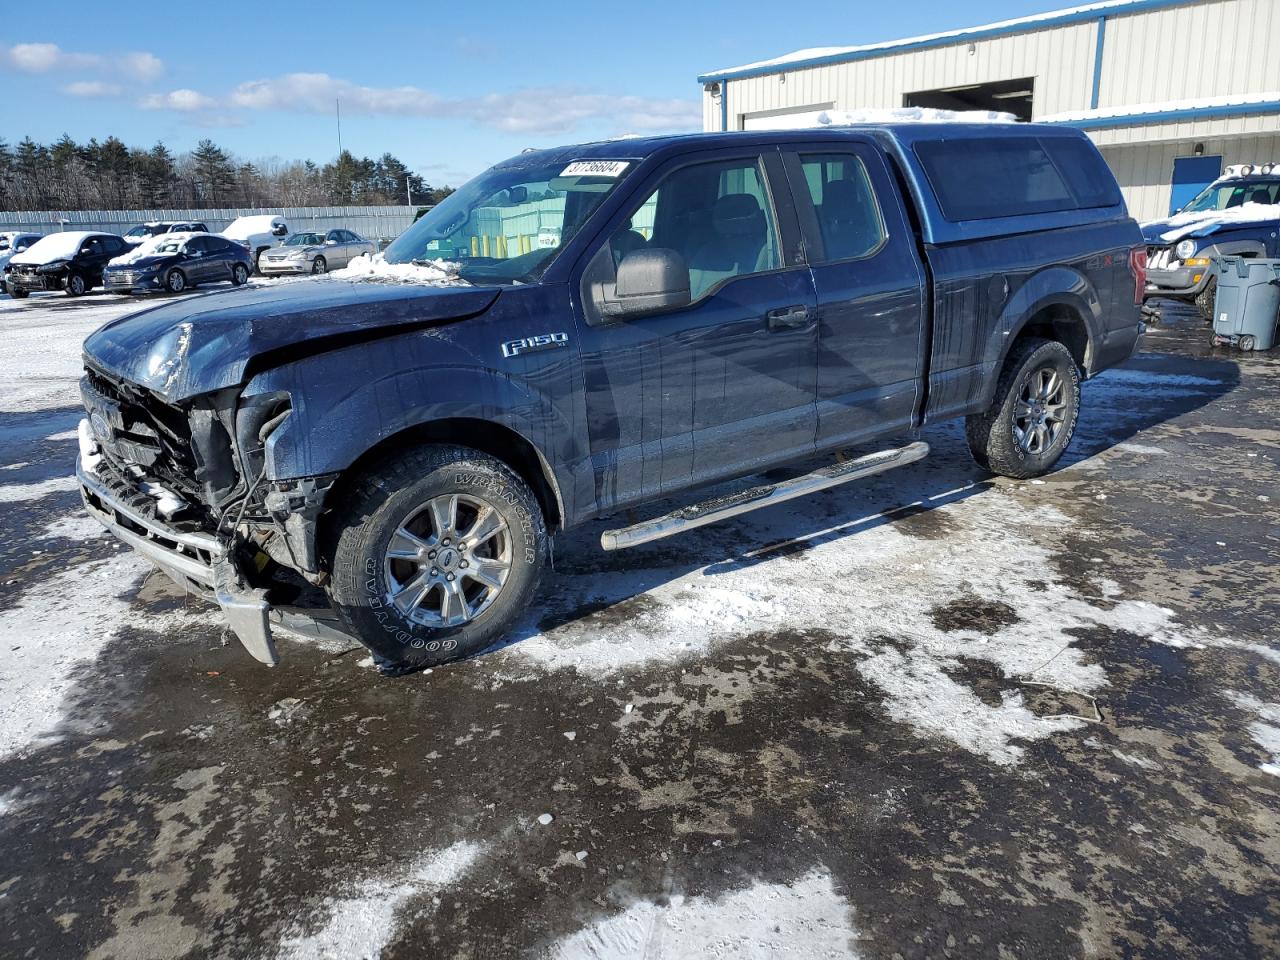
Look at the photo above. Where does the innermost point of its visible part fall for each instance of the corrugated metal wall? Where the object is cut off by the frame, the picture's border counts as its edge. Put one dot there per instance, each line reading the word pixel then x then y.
pixel 1207 49
pixel 376 223
pixel 1146 170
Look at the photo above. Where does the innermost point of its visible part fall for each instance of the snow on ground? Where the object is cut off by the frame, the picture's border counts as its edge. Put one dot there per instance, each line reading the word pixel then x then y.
pixel 53 629
pixel 1265 731
pixel 21 492
pixel 807 920
pixel 358 926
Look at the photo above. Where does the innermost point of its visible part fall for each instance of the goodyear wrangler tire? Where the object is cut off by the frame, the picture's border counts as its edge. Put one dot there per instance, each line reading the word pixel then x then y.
pixel 437 554
pixel 1032 417
pixel 1206 298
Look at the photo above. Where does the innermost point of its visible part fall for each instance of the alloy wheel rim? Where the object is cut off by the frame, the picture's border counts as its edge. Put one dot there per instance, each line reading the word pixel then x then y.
pixel 1040 411
pixel 175 282
pixel 448 561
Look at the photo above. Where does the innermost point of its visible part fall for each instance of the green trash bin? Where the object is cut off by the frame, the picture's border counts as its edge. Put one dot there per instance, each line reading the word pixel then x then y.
pixel 1247 305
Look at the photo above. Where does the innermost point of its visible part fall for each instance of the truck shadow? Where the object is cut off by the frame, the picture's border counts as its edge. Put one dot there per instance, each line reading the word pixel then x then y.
pixel 1149 390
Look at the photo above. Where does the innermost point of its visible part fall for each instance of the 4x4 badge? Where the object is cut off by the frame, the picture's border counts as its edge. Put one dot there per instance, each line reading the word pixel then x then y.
pixel 542 341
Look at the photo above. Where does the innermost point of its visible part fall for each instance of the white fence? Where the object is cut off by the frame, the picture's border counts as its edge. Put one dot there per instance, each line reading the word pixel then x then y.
pixel 376 223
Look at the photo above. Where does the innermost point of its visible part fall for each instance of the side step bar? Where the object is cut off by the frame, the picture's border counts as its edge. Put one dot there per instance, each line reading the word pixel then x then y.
pixel 711 511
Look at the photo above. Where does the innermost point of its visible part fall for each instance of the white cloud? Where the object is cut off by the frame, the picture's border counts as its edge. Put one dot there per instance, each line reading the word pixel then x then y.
pixel 92 88
pixel 531 110
pixel 51 58
pixel 183 100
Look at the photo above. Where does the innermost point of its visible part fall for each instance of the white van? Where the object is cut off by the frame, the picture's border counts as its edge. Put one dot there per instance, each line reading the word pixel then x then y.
pixel 258 232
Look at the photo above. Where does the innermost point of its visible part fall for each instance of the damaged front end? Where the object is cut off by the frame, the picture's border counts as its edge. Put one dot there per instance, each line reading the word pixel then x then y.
pixel 185 484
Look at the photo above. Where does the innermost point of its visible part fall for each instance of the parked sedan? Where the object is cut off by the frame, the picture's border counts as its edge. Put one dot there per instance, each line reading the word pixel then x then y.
pixel 315 253
pixel 175 262
pixel 62 261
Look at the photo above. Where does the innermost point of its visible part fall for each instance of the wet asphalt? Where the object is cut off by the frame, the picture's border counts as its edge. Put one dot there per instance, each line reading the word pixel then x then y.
pixel 196 804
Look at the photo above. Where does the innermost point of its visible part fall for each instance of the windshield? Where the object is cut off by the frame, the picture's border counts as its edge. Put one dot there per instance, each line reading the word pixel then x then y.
pixel 304 240
pixel 1234 193
pixel 507 224
pixel 144 231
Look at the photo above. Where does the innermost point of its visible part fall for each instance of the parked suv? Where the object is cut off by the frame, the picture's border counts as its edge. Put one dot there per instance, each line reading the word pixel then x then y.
pixel 62 261
pixel 1237 215
pixel 315 253
pixel 173 262
pixel 712 306
pixel 154 228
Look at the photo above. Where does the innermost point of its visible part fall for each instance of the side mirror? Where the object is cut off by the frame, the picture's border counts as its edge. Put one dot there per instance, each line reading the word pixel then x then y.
pixel 280 231
pixel 648 281
pixel 330 243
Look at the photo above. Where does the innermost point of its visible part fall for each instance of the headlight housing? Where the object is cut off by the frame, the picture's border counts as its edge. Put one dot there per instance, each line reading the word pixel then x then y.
pixel 1185 249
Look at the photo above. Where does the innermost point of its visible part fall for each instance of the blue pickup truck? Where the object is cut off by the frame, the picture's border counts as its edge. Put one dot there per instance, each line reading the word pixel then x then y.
pixel 615 323
pixel 1236 215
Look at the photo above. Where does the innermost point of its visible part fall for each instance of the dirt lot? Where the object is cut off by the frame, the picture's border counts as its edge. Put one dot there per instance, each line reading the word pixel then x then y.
pixel 934 715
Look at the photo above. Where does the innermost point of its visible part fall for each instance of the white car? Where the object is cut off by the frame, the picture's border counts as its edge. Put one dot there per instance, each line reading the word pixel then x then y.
pixel 258 233
pixel 13 242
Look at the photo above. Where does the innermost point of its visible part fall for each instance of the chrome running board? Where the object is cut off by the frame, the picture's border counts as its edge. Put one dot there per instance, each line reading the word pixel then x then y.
pixel 721 508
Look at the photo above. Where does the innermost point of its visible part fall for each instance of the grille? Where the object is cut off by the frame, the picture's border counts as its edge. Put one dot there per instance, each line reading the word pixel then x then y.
pixel 1161 258
pixel 121 278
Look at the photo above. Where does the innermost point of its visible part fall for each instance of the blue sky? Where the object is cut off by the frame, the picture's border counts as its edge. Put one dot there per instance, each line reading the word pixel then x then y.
pixel 447 87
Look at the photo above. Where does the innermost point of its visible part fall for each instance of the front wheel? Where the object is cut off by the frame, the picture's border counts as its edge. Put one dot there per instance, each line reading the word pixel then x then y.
pixel 18 293
pixel 1033 415
pixel 175 282
pixel 437 554
pixel 76 286
pixel 319 265
pixel 1205 299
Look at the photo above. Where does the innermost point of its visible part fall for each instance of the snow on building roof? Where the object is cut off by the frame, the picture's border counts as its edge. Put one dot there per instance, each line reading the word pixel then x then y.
pixel 845 118
pixel 815 56
pixel 1169 110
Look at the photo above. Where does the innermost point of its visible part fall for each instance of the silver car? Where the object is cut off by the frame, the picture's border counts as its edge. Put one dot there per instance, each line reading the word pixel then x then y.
pixel 314 253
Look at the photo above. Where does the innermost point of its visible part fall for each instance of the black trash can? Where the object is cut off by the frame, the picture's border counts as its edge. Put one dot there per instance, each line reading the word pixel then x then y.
pixel 1247 306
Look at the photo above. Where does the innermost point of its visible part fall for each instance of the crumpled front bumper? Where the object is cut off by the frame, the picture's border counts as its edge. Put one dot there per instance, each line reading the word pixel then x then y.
pixel 199 562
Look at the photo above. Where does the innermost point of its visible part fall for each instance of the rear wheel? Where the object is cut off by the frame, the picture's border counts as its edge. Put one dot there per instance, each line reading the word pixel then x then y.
pixel 1033 415
pixel 76 286
pixel 437 554
pixel 239 275
pixel 1205 299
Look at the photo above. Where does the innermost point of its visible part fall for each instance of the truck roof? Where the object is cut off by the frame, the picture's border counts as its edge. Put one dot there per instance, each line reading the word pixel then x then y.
pixel 897 139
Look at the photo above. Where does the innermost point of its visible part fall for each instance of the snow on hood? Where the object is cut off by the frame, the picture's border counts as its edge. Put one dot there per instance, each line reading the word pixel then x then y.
pixel 147 248
pixel 438 273
pixel 1207 221
pixel 845 118
pixel 56 246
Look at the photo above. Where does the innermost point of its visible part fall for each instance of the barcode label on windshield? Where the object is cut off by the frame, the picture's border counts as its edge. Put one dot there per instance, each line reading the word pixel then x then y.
pixel 595 168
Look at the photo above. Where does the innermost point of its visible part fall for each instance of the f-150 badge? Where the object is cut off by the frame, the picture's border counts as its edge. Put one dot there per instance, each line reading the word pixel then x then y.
pixel 541 341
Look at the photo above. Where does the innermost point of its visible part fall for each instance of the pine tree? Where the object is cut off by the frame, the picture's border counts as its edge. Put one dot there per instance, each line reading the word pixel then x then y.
pixel 214 172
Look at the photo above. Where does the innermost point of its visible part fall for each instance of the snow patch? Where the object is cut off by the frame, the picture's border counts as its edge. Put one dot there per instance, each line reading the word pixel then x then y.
pixel 361 925
pixel 1265 731
pixel 21 492
pixel 66 621
pixel 73 526
pixel 807 920
pixel 433 273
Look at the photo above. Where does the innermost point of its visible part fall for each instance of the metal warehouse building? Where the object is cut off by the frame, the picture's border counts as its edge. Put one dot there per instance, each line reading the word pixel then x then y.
pixel 1172 91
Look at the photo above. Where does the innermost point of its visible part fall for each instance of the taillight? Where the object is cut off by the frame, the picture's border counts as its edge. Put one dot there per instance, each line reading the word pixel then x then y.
pixel 1138 267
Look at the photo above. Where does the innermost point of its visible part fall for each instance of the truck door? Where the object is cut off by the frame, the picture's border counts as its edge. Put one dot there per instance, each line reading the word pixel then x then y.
pixel 870 287
pixel 725 384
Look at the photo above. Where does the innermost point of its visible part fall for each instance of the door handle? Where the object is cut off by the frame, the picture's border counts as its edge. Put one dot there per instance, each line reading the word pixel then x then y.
pixel 787 318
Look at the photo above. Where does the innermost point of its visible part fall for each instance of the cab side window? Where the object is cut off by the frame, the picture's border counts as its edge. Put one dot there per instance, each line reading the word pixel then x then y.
pixel 849 218
pixel 718 216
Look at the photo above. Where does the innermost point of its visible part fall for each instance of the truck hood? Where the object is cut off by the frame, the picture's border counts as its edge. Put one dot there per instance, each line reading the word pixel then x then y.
pixel 186 348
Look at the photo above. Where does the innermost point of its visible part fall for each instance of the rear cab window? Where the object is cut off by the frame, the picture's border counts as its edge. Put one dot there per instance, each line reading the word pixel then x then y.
pixel 977 179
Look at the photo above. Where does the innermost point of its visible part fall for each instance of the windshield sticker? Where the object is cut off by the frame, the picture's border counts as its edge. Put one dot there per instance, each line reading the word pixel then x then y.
pixel 595 168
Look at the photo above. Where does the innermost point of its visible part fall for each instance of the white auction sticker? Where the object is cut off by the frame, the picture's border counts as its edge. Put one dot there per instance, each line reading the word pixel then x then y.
pixel 595 168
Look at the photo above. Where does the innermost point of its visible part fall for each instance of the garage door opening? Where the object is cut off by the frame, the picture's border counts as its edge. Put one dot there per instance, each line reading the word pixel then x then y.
pixel 1007 96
